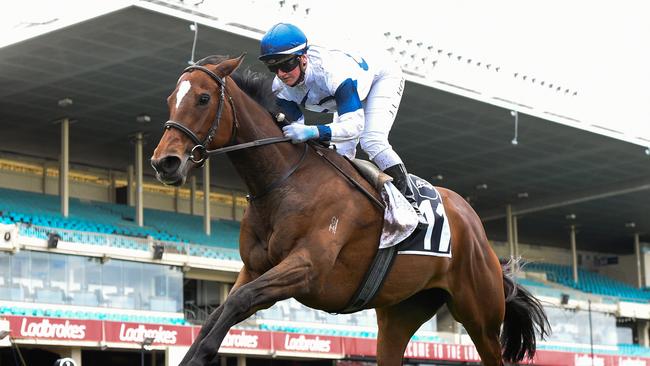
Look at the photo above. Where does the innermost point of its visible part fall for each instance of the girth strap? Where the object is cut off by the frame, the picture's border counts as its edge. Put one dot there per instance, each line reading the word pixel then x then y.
pixel 373 280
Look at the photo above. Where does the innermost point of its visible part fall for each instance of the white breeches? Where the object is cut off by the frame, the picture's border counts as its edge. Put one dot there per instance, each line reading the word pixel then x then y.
pixel 380 109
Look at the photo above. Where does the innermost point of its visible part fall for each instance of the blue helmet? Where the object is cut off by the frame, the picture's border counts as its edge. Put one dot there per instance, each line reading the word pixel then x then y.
pixel 282 41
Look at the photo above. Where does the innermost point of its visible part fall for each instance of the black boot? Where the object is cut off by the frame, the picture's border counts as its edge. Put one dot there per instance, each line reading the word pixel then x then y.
pixel 400 181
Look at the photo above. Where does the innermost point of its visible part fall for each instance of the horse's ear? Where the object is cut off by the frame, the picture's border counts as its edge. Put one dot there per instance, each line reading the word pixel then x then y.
pixel 229 66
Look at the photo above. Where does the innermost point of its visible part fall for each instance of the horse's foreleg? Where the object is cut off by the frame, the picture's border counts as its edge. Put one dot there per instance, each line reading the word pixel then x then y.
pixel 398 323
pixel 243 278
pixel 287 279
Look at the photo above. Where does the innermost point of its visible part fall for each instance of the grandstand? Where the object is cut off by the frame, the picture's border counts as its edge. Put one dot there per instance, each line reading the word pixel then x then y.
pixel 582 225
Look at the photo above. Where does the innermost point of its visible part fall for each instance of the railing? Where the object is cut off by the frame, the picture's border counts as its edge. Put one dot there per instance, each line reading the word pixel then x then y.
pixel 197 314
pixel 128 242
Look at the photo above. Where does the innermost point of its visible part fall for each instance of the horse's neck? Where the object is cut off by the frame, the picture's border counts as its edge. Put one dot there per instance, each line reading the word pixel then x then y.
pixel 260 166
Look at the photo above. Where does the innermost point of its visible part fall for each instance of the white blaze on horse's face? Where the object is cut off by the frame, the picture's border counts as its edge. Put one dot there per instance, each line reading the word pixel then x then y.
pixel 182 90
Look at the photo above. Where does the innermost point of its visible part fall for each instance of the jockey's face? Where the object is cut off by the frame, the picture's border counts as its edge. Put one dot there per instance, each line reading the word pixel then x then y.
pixel 292 77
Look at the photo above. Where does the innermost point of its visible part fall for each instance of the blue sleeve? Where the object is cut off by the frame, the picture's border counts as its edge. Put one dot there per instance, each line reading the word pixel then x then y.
pixel 347 97
pixel 324 133
pixel 289 108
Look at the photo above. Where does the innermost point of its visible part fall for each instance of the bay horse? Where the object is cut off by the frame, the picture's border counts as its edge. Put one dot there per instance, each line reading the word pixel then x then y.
pixel 307 233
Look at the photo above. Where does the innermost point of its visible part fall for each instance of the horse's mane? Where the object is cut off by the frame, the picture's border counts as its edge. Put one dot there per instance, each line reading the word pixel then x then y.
pixel 255 84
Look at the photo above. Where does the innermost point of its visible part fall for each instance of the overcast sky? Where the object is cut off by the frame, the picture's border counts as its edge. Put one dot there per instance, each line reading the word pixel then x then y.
pixel 600 48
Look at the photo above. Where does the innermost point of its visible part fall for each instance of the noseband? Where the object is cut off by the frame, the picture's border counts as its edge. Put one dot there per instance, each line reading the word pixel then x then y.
pixel 198 153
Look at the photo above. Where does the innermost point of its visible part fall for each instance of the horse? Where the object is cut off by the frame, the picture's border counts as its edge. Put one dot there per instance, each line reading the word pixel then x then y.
pixel 307 233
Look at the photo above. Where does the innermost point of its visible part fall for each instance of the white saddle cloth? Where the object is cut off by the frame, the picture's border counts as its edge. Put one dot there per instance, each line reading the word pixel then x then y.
pixel 400 218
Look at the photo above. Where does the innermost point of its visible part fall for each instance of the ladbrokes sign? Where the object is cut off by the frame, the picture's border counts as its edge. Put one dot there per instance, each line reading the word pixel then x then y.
pixel 52 328
pixel 246 341
pixel 302 343
pixel 168 335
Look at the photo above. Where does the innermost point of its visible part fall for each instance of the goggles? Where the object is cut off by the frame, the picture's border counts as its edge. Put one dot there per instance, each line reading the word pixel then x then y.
pixel 285 66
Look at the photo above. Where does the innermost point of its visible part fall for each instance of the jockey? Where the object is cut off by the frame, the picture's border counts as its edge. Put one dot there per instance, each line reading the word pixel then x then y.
pixel 363 93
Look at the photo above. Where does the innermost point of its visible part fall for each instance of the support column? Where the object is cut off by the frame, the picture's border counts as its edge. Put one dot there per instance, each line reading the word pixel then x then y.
pixel 74 353
pixel 64 188
pixel 139 208
pixel 129 185
pixel 206 197
pixel 574 254
pixel 241 360
pixel 511 245
pixel 515 235
pixel 193 195
pixel 111 186
pixel 639 267
pixel 177 198
pixel 234 206
pixel 447 326
pixel 642 332
pixel 223 293
pixel 44 178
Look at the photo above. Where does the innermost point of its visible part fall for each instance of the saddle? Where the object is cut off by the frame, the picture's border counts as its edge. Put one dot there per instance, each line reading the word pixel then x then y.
pixel 371 173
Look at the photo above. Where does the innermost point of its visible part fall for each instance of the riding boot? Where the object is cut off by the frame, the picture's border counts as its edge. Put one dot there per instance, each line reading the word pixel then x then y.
pixel 400 181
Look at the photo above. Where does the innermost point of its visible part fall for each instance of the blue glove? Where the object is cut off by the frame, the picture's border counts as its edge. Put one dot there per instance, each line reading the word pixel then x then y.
pixel 299 132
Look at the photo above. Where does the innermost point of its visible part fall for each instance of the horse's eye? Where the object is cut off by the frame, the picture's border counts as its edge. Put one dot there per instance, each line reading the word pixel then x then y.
pixel 204 98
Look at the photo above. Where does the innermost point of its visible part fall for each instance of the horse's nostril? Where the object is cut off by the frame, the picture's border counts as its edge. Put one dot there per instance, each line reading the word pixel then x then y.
pixel 168 164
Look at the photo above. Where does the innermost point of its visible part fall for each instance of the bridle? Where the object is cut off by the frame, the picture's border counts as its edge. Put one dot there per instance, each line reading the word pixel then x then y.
pixel 199 153
pixel 200 147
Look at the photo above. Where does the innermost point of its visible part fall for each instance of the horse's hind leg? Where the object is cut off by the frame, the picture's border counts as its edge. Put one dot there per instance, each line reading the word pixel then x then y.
pixel 398 323
pixel 481 314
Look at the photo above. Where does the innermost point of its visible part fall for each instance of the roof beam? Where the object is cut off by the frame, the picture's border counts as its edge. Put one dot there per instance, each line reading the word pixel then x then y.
pixel 571 198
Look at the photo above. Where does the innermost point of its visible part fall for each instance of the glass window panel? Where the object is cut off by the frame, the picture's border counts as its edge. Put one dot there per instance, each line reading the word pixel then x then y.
pixel 76 273
pixel 112 278
pixel 39 270
pixel 57 270
pixel 132 282
pixel 93 276
pixel 80 269
pixel 149 274
pixel 5 269
pixel 176 286
pixel 20 263
pixel 82 281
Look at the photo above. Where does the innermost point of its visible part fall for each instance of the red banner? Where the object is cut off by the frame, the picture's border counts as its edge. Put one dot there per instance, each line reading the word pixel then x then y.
pixel 415 350
pixel 277 343
pixel 169 335
pixel 55 328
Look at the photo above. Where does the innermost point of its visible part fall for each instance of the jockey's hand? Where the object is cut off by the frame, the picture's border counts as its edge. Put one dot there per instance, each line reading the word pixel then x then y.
pixel 299 132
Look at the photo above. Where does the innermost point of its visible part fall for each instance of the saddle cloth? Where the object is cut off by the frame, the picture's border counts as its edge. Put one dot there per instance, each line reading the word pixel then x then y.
pixel 435 239
pixel 400 234
pixel 400 219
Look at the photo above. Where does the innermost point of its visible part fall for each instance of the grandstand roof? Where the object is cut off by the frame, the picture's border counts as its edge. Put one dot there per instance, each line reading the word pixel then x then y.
pixel 125 63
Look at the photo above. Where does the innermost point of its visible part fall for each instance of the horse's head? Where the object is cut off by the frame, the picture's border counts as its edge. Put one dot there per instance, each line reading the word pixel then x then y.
pixel 200 118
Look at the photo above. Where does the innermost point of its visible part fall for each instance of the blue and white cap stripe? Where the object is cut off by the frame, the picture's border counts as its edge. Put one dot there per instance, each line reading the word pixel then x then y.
pixel 293 50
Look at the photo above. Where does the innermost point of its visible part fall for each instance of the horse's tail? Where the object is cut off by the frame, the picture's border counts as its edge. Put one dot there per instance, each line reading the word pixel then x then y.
pixel 524 317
